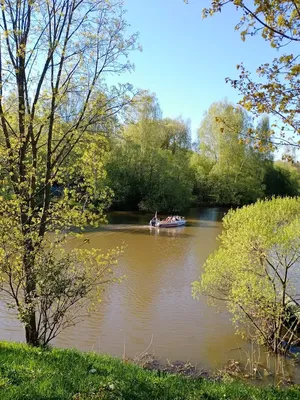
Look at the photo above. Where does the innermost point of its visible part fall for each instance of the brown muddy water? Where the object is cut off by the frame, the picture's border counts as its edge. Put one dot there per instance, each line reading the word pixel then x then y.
pixel 153 305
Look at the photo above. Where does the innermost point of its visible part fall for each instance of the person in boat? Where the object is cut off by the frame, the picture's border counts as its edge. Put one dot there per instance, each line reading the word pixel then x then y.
pixel 154 220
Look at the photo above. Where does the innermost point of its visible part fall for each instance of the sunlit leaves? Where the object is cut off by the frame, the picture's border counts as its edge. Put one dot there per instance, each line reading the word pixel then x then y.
pixel 148 167
pixel 237 170
pixel 276 91
pixel 256 266
pixel 56 115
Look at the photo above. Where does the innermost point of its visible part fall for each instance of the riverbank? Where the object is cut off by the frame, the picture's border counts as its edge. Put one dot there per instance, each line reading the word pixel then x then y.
pixel 35 374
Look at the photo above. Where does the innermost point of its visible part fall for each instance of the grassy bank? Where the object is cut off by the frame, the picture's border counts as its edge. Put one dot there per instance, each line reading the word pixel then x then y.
pixel 27 373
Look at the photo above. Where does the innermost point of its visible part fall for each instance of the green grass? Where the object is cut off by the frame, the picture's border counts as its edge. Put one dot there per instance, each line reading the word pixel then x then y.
pixel 35 374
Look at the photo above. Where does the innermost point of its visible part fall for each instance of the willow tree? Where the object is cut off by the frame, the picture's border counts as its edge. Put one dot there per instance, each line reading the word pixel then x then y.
pixel 276 89
pixel 54 56
pixel 236 168
pixel 255 271
pixel 148 168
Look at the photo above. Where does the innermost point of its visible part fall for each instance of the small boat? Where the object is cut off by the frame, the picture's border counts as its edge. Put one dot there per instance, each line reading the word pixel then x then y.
pixel 169 222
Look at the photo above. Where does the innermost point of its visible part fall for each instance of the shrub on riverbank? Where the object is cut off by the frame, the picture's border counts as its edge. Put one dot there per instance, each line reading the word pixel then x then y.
pixel 255 270
pixel 35 374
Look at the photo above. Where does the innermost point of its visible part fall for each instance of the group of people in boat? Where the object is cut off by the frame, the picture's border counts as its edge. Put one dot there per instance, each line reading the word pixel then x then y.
pixel 155 221
pixel 173 218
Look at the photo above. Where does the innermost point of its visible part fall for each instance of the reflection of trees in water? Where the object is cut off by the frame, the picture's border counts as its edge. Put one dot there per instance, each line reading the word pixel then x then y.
pixel 214 214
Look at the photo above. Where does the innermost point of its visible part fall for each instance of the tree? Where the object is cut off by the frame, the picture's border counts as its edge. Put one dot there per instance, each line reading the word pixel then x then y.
pixel 145 106
pixel 176 135
pixel 220 142
pixel 54 57
pixel 169 187
pixel 237 169
pixel 282 179
pixel 148 167
pixel 255 271
pixel 201 165
pixel 276 91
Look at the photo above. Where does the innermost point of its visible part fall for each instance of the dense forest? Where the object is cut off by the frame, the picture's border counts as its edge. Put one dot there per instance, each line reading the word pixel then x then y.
pixel 151 163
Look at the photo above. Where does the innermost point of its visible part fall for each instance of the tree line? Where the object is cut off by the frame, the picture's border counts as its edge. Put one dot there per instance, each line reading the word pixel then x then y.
pixel 153 165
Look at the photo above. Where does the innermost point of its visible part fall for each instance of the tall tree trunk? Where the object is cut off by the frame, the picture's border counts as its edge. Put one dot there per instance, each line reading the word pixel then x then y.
pixel 31 333
pixel 30 292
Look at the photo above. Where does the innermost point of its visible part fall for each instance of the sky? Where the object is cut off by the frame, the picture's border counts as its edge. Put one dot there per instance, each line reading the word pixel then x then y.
pixel 186 59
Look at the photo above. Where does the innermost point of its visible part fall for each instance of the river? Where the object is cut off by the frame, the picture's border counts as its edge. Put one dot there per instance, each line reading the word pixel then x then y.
pixel 153 308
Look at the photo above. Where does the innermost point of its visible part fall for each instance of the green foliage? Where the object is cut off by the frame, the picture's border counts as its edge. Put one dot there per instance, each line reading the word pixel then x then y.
pixel 148 167
pixel 55 111
pixel 232 169
pixel 282 179
pixel 65 375
pixel 151 165
pixel 150 180
pixel 276 89
pixel 255 270
pixel 170 186
pixel 201 166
